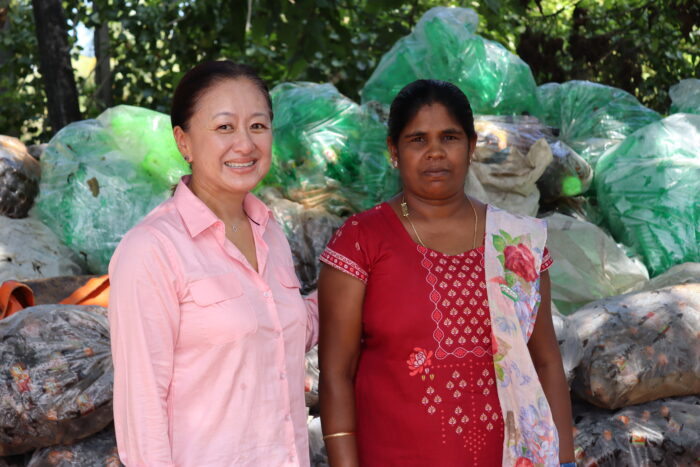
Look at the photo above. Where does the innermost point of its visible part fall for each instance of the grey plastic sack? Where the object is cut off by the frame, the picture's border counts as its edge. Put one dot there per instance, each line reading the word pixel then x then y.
pixel 659 433
pixel 56 376
pixel 99 450
pixel 639 347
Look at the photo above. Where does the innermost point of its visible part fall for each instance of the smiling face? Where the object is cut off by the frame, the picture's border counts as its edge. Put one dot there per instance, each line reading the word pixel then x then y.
pixel 228 139
pixel 433 153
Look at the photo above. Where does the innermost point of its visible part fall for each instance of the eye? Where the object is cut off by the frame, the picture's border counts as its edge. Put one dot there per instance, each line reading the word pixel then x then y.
pixel 417 139
pixel 258 126
pixel 450 137
pixel 225 127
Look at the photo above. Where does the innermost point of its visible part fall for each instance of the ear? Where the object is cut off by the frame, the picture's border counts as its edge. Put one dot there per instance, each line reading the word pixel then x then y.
pixel 182 141
pixel 393 151
pixel 472 148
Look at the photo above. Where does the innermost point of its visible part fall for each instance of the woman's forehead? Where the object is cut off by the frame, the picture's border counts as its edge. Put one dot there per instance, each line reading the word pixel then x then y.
pixel 432 116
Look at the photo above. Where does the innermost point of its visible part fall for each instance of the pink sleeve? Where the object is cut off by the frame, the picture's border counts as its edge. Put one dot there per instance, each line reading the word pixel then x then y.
pixel 311 302
pixel 144 318
pixel 347 250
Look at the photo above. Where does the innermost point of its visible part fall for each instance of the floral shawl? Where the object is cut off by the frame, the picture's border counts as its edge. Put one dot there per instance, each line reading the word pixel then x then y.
pixel 513 251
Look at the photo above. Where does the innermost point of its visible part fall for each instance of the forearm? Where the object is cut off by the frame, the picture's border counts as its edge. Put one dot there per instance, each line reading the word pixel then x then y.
pixel 556 390
pixel 338 416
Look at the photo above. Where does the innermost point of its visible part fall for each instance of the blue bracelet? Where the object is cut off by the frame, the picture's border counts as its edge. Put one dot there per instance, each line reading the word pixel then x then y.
pixel 568 464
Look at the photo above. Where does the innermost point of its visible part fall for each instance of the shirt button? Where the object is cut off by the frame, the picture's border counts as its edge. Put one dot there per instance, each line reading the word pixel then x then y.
pixel 267 294
pixel 283 375
pixel 287 418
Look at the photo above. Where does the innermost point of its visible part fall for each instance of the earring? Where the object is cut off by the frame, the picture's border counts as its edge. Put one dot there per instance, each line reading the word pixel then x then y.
pixel 395 163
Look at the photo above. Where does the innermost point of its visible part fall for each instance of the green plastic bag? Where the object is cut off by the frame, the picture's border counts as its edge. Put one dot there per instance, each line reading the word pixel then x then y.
pixel 328 151
pixel 443 45
pixel 592 117
pixel 100 177
pixel 685 96
pixel 648 189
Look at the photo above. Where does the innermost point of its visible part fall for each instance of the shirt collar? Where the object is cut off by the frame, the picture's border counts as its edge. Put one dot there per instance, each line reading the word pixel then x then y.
pixel 197 216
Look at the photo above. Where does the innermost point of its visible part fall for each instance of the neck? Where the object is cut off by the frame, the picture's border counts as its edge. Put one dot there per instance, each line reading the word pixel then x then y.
pixel 226 206
pixel 420 207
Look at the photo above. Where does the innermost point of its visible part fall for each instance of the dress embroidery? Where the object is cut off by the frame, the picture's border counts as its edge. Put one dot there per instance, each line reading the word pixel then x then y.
pixel 463 373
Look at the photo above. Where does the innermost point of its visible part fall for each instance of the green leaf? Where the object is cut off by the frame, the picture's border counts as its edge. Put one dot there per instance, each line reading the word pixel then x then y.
pixel 506 236
pixel 500 374
pixel 502 259
pixel 495 5
pixel 499 242
pixel 511 279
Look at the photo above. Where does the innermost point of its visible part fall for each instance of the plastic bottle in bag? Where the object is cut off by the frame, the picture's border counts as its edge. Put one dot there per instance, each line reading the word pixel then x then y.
pixel 648 189
pixel 443 45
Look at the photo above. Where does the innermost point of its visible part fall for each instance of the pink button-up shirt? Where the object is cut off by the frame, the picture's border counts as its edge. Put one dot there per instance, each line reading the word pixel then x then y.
pixel 208 353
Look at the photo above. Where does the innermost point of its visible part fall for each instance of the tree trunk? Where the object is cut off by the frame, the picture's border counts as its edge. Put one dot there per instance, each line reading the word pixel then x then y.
pixel 103 73
pixel 4 29
pixel 54 63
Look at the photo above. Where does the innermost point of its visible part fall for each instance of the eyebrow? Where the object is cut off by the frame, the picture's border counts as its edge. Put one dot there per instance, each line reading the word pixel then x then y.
pixel 449 131
pixel 256 114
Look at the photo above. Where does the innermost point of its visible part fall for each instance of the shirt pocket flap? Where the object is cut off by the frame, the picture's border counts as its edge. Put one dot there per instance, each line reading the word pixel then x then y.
pixel 288 277
pixel 215 289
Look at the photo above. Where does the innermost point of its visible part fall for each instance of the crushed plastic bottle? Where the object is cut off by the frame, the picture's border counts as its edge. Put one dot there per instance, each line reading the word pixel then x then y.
pixel 100 177
pixel 648 189
pixel 443 45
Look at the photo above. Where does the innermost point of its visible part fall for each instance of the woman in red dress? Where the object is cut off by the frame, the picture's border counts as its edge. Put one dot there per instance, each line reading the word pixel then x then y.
pixel 406 348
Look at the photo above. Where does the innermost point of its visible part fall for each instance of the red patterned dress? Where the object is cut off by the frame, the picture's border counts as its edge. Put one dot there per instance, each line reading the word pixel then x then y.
pixel 425 389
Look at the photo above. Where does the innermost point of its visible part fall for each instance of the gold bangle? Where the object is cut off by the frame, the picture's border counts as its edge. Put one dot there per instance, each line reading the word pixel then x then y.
pixel 338 435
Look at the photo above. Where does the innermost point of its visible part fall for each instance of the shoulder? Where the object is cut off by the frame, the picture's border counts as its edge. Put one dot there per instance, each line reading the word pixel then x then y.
pixel 369 218
pixel 152 236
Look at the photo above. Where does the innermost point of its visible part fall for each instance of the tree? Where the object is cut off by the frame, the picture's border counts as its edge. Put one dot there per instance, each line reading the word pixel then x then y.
pixel 632 44
pixel 55 64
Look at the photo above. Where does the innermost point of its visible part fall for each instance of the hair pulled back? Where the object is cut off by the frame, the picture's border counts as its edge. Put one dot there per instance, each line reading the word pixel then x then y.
pixel 422 92
pixel 202 77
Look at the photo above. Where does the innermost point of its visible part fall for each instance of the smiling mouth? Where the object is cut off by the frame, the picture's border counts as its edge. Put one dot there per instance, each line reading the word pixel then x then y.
pixel 236 165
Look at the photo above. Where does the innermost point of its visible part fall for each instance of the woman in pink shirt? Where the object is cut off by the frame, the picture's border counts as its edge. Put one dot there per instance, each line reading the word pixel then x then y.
pixel 208 326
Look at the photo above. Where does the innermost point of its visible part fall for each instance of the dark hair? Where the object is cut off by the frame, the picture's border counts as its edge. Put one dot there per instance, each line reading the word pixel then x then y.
pixel 424 92
pixel 202 77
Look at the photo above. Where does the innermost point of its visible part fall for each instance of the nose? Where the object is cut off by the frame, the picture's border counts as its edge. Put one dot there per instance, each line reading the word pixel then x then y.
pixel 435 150
pixel 242 142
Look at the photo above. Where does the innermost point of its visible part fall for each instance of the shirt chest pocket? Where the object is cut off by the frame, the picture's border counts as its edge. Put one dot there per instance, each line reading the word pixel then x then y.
pixel 289 295
pixel 216 312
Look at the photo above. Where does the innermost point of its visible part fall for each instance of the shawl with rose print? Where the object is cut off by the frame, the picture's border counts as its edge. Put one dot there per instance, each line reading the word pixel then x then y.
pixel 513 251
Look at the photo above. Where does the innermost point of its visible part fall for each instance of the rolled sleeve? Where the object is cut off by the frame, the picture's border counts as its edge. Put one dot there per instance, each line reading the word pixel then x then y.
pixel 311 302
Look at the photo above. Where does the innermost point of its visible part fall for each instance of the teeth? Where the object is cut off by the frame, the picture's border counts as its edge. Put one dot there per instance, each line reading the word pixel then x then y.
pixel 233 165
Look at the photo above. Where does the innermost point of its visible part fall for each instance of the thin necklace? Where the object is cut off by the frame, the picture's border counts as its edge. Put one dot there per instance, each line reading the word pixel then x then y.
pixel 405 213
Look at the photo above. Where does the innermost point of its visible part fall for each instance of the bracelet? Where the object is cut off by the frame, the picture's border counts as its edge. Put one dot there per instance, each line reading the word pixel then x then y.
pixel 339 434
pixel 568 464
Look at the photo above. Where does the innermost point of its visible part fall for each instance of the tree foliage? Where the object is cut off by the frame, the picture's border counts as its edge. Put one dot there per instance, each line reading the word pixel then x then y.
pixel 636 45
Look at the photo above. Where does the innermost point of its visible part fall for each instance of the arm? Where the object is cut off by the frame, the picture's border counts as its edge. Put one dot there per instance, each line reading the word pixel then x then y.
pixel 340 304
pixel 544 351
pixel 311 302
pixel 144 317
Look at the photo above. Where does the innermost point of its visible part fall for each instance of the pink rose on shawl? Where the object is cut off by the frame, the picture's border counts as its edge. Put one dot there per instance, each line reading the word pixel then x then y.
pixel 523 462
pixel 419 360
pixel 519 259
